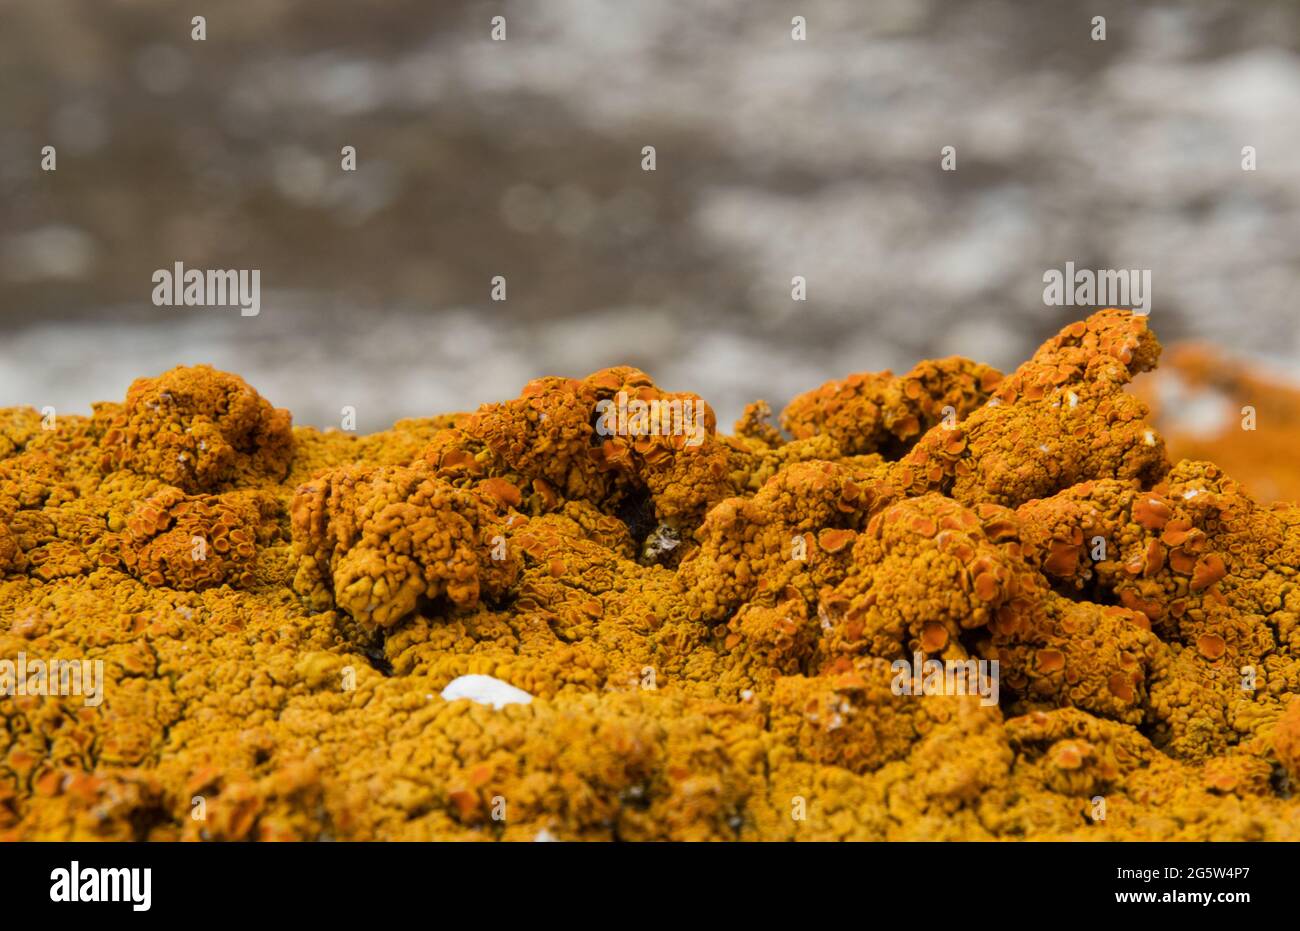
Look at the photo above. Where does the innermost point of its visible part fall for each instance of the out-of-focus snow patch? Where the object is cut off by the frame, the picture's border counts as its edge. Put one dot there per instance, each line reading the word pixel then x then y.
pixel 1201 412
pixel 485 690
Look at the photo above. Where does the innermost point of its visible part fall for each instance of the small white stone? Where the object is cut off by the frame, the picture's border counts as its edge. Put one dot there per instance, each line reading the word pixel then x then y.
pixel 486 691
pixel 545 836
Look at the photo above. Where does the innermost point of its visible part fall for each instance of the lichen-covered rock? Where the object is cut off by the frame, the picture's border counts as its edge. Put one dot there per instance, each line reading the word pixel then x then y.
pixel 720 635
pixel 188 542
pixel 796 534
pixel 375 541
pixel 1059 419
pixel 871 411
pixel 198 429
pixel 588 440
pixel 925 571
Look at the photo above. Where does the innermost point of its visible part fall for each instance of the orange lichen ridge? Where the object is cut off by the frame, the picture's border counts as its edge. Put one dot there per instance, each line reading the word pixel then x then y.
pixel 873 411
pixel 1059 419
pixel 709 629
pixel 546 446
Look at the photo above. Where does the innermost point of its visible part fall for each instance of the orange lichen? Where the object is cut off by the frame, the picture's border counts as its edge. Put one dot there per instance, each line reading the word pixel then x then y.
pixel 1286 740
pixel 867 412
pixel 198 429
pixel 1059 419
pixel 376 541
pixel 883 607
pixel 188 542
pixel 719 633
pixel 552 441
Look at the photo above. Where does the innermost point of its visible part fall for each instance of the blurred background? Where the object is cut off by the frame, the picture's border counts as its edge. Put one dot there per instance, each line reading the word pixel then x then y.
pixel 522 158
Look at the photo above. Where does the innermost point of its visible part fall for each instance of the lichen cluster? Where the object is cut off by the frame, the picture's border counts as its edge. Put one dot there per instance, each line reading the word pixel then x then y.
pixel 706 627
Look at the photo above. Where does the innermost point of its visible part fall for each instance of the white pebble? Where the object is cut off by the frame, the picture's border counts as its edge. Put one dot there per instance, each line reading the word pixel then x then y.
pixel 486 691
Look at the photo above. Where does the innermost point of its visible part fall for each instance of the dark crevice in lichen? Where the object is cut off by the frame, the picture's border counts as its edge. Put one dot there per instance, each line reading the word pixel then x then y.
pixel 637 512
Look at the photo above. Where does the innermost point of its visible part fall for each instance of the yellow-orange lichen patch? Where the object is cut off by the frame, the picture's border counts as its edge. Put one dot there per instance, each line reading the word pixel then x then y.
pixel 198 429
pixel 1286 739
pixel 376 541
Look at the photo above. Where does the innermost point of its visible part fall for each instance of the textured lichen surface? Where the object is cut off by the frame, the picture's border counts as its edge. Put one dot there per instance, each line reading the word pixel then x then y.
pixel 706 628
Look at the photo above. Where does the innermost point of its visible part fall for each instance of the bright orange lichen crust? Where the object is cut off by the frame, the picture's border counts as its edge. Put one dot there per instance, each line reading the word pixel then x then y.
pixel 710 626
pixel 376 541
pixel 869 412
pixel 1060 418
